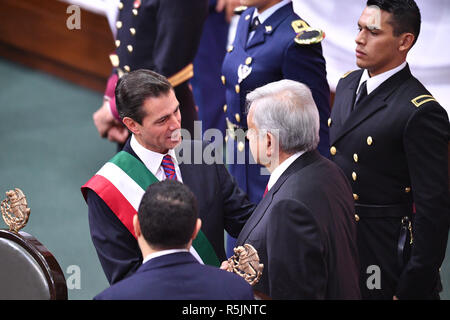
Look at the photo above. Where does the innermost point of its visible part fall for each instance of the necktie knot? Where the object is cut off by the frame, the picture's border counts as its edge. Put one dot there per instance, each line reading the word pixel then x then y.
pixel 255 24
pixel 362 92
pixel 169 167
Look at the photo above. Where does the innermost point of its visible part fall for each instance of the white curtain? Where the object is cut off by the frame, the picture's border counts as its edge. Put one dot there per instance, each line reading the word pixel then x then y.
pixel 429 58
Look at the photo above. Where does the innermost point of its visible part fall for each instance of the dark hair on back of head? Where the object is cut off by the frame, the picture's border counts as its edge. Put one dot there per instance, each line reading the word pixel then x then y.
pixel 405 15
pixel 167 215
pixel 134 87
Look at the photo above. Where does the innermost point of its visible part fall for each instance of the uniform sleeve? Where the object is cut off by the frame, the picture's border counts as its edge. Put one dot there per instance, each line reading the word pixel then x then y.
pixel 295 253
pixel 180 24
pixel 117 249
pixel 306 64
pixel 426 140
pixel 237 206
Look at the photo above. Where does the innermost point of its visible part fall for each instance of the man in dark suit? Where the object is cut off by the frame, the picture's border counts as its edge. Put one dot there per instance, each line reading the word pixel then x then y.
pixel 159 35
pixel 147 104
pixel 390 137
pixel 165 226
pixel 304 228
pixel 272 43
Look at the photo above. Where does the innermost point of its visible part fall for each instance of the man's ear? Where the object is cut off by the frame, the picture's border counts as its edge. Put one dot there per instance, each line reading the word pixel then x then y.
pixel 406 41
pixel 132 125
pixel 136 226
pixel 197 228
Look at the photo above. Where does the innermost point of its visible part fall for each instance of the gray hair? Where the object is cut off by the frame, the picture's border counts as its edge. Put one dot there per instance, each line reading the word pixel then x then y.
pixel 286 109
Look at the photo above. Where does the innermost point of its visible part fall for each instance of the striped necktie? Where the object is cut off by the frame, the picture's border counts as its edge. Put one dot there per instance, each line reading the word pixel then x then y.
pixel 169 167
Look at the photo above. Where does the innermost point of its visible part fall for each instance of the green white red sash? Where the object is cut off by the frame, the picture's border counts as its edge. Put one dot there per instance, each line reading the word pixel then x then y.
pixel 121 184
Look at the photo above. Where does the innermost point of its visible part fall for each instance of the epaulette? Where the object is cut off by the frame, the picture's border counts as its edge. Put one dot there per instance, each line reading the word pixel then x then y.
pixel 305 34
pixel 420 100
pixel 239 10
pixel 347 73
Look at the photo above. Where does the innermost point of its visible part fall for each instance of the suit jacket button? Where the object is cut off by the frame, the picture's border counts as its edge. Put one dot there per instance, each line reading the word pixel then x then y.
pixel 333 151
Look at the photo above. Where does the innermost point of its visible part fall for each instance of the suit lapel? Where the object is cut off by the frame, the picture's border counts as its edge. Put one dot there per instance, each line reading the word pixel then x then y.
pixel 370 105
pixel 300 163
pixel 268 27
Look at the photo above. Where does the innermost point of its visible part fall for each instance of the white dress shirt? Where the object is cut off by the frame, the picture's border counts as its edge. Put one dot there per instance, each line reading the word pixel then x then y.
pixel 276 174
pixel 152 160
pixel 161 253
pixel 375 81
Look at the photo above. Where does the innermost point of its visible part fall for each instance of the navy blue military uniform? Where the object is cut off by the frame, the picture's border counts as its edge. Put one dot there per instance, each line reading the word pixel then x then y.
pixel 271 55
pixel 208 90
pixel 162 36
pixel 393 149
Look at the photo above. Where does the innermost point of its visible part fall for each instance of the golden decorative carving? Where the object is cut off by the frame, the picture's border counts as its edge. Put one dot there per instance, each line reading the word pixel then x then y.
pixel 15 210
pixel 245 263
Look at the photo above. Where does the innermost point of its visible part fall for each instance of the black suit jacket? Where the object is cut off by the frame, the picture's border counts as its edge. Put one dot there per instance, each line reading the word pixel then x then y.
pixel 305 234
pixel 393 150
pixel 222 206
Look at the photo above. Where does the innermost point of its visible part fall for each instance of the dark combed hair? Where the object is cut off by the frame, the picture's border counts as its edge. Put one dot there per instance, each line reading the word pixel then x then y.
pixel 133 88
pixel 168 215
pixel 405 15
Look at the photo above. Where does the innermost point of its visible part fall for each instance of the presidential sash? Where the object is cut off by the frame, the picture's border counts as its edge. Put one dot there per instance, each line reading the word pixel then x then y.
pixel 121 184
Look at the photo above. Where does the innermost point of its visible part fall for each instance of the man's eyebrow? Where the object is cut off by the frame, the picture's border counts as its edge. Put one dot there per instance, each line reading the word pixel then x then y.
pixel 167 115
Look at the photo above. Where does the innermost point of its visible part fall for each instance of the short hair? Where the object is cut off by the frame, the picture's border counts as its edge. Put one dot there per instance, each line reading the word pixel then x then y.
pixel 405 15
pixel 134 88
pixel 286 109
pixel 167 215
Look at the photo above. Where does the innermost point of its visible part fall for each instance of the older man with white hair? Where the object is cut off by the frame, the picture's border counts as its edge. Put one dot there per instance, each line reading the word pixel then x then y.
pixel 304 228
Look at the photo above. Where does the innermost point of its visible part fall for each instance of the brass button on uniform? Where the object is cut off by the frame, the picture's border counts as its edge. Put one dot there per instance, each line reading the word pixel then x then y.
pixel 117 43
pixel 237 88
pixel 130 48
pixel 329 122
pixel 223 79
pixel 247 17
pixel 119 24
pixel 126 68
pixel 230 48
pixel 354 176
pixel 225 108
pixel 133 31
pixel 356 217
pixel 333 151
pixel 135 12
pixel 369 140
pixel 355 157
pixel 407 190
pixel 248 60
pixel 355 196
pixel 120 5
pixel 238 117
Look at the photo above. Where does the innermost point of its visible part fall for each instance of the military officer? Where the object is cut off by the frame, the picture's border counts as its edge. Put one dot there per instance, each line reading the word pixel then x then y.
pixel 159 35
pixel 390 137
pixel 271 43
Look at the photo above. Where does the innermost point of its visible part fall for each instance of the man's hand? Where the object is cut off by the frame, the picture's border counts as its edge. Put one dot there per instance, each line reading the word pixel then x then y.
pixel 118 133
pixel 103 119
pixel 224 265
pixel 228 6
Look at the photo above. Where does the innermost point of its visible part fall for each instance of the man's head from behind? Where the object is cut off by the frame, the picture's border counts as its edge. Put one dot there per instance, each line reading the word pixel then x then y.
pixel 149 108
pixel 282 120
pixel 167 217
